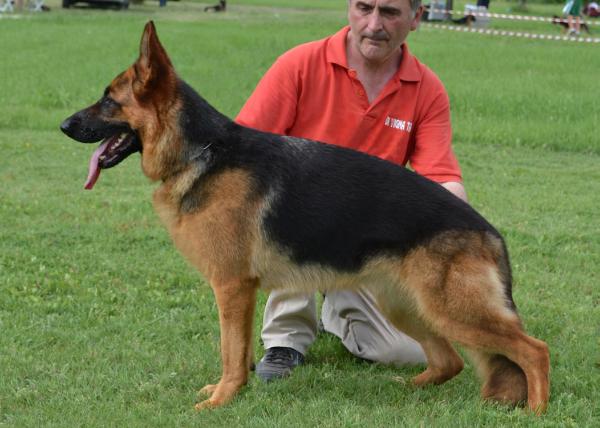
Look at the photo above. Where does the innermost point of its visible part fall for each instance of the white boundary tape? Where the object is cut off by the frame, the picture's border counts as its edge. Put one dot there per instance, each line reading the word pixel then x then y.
pixel 507 33
pixel 508 16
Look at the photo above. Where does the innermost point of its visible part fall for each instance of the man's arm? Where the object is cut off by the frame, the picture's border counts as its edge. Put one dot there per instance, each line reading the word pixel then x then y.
pixel 272 105
pixel 433 156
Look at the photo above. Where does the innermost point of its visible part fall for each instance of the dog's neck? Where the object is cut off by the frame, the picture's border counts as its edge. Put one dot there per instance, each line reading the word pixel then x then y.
pixel 201 123
pixel 204 139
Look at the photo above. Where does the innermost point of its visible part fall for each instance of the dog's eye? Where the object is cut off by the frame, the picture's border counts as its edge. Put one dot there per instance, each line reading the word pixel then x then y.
pixel 108 102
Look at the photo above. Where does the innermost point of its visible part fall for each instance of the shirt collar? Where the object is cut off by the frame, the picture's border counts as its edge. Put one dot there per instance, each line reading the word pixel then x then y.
pixel 336 54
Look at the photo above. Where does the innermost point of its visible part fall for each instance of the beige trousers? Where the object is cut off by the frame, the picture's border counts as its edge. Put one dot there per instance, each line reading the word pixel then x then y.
pixel 290 320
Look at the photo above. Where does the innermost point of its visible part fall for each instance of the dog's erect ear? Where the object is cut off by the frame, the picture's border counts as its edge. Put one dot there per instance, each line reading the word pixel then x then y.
pixel 153 69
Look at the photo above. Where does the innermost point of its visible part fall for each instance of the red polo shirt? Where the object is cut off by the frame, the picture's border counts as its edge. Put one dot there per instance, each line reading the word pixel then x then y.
pixel 310 92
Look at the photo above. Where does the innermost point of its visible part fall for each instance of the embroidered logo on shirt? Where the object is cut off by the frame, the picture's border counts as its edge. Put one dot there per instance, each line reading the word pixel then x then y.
pixel 401 125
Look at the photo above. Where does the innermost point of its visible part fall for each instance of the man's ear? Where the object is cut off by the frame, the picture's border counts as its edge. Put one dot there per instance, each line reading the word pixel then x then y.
pixel 417 18
pixel 153 68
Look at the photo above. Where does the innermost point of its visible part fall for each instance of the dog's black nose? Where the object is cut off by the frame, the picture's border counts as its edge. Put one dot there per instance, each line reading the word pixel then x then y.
pixel 64 127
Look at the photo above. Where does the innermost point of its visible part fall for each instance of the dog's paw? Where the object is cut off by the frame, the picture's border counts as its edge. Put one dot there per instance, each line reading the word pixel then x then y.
pixel 208 390
pixel 430 377
pixel 206 404
pixel 211 403
pixel 219 395
pixel 538 408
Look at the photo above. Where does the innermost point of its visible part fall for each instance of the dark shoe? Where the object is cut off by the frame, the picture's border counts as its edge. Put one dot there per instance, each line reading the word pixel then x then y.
pixel 278 363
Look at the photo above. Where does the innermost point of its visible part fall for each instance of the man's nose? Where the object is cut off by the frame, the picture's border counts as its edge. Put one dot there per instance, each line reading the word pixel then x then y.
pixel 375 22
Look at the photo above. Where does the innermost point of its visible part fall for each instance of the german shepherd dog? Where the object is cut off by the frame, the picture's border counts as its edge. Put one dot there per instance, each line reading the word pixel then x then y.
pixel 255 210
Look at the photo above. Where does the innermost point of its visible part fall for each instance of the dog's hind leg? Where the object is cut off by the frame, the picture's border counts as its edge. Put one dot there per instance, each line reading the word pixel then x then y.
pixel 466 302
pixel 236 301
pixel 443 362
pixel 515 362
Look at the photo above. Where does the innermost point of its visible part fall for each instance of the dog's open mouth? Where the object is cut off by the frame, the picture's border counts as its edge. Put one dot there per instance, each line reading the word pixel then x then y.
pixel 112 151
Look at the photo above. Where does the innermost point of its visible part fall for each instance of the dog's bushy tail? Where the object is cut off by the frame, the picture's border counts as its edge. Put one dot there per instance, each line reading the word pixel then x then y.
pixel 503 380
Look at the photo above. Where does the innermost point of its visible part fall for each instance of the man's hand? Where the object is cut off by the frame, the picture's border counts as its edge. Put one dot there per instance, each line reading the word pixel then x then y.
pixel 457 188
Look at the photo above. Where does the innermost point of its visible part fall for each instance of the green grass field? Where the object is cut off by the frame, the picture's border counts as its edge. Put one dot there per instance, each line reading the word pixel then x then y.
pixel 103 324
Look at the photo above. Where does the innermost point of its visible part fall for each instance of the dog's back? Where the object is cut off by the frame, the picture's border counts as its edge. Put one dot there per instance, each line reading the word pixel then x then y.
pixel 338 207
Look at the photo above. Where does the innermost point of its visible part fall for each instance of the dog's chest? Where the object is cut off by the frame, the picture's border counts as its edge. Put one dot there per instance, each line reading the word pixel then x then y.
pixel 217 235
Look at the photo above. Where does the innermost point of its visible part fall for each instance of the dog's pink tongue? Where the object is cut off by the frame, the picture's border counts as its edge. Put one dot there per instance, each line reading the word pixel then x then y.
pixel 94 168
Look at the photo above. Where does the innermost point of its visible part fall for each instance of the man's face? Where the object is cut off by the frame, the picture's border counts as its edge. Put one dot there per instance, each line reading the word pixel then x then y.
pixel 379 27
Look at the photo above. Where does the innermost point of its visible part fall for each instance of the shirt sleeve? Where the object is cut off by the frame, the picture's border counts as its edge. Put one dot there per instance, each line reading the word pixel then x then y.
pixel 272 105
pixel 432 155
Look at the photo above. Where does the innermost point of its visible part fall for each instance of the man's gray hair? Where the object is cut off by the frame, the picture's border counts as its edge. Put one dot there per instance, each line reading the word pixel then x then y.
pixel 414 4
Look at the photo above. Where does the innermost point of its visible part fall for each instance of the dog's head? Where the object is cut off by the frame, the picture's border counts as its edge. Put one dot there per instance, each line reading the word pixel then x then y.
pixel 133 114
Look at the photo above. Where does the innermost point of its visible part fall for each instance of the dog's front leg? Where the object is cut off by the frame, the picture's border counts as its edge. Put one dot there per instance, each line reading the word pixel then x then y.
pixel 236 301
